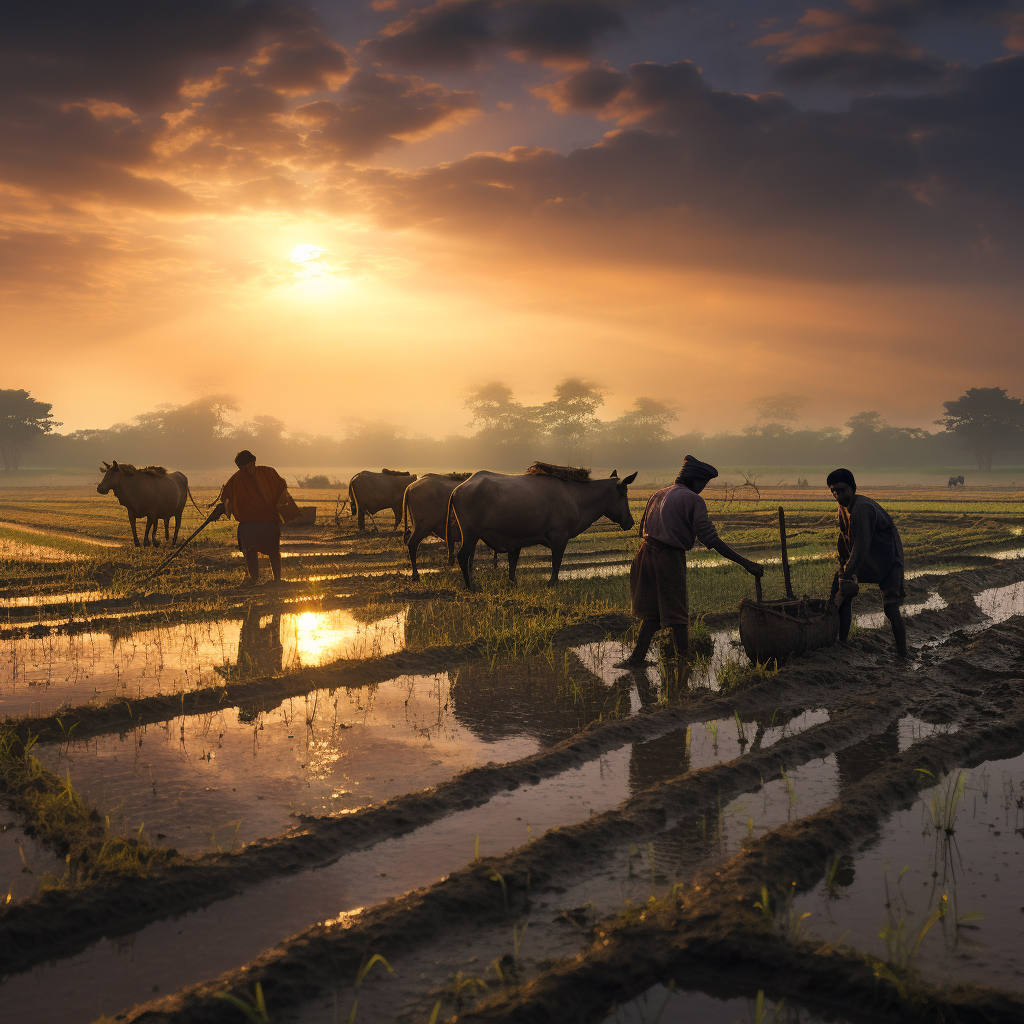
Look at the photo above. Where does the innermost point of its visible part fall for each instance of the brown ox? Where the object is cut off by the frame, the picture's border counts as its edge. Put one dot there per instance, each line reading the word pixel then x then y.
pixel 370 492
pixel 151 493
pixel 509 513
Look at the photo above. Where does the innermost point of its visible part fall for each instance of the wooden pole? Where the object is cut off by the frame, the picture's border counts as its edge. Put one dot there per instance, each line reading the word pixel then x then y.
pixel 785 553
pixel 757 588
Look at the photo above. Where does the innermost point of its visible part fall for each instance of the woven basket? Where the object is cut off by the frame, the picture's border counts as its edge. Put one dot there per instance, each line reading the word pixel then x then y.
pixel 776 630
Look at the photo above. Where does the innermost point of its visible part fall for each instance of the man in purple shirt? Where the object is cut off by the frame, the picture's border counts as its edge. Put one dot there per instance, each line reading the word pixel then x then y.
pixel 674 519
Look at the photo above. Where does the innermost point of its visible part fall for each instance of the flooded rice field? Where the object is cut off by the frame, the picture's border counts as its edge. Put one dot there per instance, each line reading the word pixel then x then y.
pixel 262 799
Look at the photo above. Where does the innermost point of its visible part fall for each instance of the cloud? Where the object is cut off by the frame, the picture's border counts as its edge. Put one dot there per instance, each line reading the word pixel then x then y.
pixel 891 186
pixel 866 45
pixel 456 34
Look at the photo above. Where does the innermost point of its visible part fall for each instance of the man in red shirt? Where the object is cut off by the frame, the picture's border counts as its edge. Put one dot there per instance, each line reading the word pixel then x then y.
pixel 253 496
pixel 674 519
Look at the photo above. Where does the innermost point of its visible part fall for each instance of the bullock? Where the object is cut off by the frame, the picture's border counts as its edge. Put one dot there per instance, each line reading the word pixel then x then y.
pixel 510 513
pixel 370 492
pixel 151 493
pixel 960 481
pixel 952 482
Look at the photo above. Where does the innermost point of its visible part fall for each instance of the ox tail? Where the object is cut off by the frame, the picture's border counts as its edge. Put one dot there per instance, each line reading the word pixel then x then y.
pixel 406 532
pixel 449 534
pixel 353 501
pixel 193 500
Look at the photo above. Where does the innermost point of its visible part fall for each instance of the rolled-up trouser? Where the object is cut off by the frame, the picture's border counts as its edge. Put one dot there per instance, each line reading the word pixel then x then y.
pixel 262 537
pixel 657 585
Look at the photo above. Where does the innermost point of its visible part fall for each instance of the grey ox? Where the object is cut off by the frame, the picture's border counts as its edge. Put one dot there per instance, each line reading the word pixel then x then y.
pixel 370 492
pixel 510 513
pixel 151 493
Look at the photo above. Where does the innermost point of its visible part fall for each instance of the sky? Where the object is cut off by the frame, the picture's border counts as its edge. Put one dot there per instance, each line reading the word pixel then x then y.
pixel 351 212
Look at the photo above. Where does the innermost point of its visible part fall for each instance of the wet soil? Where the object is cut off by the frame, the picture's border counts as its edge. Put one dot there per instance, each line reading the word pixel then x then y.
pixel 22 862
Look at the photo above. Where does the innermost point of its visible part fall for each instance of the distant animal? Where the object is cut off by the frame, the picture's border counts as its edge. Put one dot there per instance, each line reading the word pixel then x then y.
pixel 370 492
pixel 955 481
pixel 426 501
pixel 960 480
pixel 510 513
pixel 151 493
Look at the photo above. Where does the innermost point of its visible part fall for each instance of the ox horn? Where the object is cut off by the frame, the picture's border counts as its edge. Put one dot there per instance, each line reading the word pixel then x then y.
pixel 615 474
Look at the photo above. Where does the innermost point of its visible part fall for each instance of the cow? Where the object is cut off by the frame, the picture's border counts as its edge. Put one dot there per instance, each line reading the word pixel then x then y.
pixel 151 493
pixel 960 481
pixel 955 481
pixel 952 482
pixel 510 513
pixel 370 492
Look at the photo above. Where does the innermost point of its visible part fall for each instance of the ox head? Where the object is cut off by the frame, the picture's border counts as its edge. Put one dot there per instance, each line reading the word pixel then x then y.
pixel 617 509
pixel 111 477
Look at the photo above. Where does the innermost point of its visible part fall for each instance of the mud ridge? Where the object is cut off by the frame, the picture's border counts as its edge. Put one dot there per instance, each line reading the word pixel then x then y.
pixel 714 927
pixel 300 967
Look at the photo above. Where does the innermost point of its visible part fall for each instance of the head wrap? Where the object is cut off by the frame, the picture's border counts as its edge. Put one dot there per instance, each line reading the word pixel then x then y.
pixel 841 476
pixel 694 469
pixel 244 457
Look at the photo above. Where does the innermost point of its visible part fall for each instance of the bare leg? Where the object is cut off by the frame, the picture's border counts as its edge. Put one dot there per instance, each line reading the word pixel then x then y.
pixel 275 562
pixel 899 630
pixel 643 644
pixel 681 636
pixel 845 620
pixel 252 564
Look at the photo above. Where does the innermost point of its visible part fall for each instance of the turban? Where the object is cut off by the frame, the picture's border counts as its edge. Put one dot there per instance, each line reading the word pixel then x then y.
pixel 841 476
pixel 694 469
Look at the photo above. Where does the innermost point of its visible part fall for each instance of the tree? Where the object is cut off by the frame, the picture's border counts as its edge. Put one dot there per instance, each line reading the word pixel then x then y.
pixel 777 412
pixel 501 418
pixel 987 419
pixel 22 420
pixel 645 423
pixel 572 416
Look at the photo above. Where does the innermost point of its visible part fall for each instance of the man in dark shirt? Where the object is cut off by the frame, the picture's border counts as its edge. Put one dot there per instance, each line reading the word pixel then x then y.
pixel 674 519
pixel 870 551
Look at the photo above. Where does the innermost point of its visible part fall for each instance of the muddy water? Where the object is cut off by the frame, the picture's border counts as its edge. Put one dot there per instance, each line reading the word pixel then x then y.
pixel 876 620
pixel 38 675
pixel 1000 603
pixel 978 868
pixel 169 954
pixel 224 779
pixel 22 861
pixel 33 600
pixel 675 1006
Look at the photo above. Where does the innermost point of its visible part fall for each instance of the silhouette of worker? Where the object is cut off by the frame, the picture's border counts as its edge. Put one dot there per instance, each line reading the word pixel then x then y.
pixel 870 551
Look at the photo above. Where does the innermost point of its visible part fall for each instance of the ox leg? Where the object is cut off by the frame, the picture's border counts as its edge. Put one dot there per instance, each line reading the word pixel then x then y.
pixel 557 551
pixel 513 561
pixel 397 509
pixel 466 553
pixel 414 543
pixel 495 564
pixel 361 521
pixel 135 532
pixel 152 525
pixel 167 529
pixel 177 527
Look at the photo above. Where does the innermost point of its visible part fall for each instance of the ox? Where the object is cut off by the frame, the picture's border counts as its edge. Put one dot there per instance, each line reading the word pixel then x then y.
pixel 370 492
pixel 510 513
pixel 426 501
pixel 151 493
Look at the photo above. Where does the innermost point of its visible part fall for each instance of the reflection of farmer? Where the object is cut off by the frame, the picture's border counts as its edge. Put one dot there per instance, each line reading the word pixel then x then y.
pixel 253 496
pixel 674 519
pixel 870 551
pixel 260 651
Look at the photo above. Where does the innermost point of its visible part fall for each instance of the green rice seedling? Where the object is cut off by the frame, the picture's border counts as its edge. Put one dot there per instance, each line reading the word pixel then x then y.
pixel 712 730
pixel 434 1013
pixel 254 1008
pixel 741 736
pixel 500 879
pixel 760 1014
pixel 945 801
pixel 476 849
pixel 517 941
pixel 459 984
pixel 361 974
pixel 789 787
pixel 832 879
pixel 765 905
pixel 735 676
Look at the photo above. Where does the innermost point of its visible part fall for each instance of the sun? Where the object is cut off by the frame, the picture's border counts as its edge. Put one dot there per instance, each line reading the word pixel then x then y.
pixel 306 253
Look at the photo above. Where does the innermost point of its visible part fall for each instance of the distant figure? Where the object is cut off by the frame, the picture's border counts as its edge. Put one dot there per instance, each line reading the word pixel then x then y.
pixel 673 521
pixel 254 496
pixel 870 551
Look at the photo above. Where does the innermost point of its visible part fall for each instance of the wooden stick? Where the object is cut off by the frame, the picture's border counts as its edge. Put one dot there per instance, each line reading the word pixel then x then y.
pixel 757 588
pixel 785 553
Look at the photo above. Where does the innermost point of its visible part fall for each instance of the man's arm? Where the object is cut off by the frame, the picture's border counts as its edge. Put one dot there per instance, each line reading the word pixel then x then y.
pixel 862 525
pixel 708 536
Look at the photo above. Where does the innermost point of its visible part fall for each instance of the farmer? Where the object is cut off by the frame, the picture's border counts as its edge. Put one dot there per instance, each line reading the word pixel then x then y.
pixel 253 496
pixel 870 551
pixel 675 517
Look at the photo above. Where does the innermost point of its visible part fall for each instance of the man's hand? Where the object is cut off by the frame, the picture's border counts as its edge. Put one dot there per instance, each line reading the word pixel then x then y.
pixel 754 568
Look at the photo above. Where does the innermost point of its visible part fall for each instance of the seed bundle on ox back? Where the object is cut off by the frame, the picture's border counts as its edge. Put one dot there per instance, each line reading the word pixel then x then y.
pixel 559 472
pixel 396 472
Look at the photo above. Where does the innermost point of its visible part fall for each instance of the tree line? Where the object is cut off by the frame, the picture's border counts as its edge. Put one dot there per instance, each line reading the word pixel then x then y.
pixel 984 424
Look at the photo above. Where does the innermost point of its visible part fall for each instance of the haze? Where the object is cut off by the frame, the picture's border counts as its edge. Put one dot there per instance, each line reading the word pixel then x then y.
pixel 346 212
